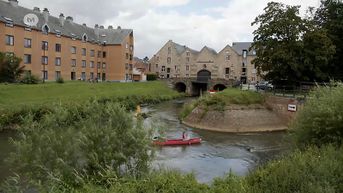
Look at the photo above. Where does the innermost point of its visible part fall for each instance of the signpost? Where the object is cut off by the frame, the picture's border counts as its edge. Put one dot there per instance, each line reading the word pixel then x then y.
pixel 292 107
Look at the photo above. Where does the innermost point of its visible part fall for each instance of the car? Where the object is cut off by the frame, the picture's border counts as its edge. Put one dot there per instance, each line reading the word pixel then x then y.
pixel 264 85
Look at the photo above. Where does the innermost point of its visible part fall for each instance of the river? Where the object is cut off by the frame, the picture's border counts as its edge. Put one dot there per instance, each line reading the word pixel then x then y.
pixel 218 153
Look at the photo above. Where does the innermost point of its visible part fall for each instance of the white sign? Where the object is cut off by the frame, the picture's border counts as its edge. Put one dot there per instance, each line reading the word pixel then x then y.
pixel 31 19
pixel 292 108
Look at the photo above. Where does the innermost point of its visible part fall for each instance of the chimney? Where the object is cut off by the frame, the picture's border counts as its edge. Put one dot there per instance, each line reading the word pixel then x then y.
pixel 70 19
pixel 118 27
pixel 46 14
pixel 13 2
pixel 36 9
pixel 110 27
pixel 102 27
pixel 84 25
pixel 61 19
pixel 96 30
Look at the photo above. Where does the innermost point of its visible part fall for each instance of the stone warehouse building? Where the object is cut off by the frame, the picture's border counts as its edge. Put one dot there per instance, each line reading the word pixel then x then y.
pixel 54 47
pixel 231 63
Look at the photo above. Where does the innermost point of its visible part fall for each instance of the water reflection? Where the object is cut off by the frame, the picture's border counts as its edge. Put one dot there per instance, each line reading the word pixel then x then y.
pixel 218 154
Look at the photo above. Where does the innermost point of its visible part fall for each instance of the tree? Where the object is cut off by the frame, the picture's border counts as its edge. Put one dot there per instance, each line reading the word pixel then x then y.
pixel 329 16
pixel 146 59
pixel 10 69
pixel 288 47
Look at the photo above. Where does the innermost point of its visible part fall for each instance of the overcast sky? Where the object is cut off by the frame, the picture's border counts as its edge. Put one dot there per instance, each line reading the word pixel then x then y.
pixel 194 23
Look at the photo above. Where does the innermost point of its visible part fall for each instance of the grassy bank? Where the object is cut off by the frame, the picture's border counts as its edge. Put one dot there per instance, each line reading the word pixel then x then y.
pixel 17 100
pixel 13 95
pixel 220 100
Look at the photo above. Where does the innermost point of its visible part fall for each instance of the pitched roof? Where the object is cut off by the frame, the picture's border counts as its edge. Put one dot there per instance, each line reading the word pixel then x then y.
pixel 69 28
pixel 240 46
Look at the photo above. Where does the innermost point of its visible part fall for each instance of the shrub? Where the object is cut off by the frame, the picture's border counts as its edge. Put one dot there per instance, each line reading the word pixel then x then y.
pixel 28 78
pixel 151 77
pixel 314 170
pixel 60 80
pixel 321 120
pixel 72 144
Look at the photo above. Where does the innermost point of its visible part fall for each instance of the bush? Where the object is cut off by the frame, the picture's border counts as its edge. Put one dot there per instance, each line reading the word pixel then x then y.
pixel 28 78
pixel 151 77
pixel 60 80
pixel 321 120
pixel 73 144
pixel 315 170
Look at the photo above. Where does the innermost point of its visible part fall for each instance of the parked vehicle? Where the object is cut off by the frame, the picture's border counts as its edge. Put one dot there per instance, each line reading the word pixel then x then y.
pixel 264 85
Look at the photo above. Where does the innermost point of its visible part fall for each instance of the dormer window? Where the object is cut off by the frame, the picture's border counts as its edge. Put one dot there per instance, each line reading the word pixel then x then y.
pixel 8 22
pixel 245 53
pixel 45 29
pixel 73 36
pixel 28 28
pixel 58 33
pixel 84 38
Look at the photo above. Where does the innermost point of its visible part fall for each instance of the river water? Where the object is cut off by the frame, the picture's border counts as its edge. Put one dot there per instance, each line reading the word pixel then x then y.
pixel 218 153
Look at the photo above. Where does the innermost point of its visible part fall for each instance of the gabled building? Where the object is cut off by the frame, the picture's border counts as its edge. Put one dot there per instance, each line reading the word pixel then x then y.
pixel 53 47
pixel 231 63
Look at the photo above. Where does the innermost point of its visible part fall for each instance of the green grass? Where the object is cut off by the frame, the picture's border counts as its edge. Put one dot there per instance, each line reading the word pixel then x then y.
pixel 13 95
pixel 220 100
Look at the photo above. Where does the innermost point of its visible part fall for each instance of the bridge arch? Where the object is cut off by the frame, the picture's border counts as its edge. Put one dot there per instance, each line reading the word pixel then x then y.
pixel 219 87
pixel 203 75
pixel 180 87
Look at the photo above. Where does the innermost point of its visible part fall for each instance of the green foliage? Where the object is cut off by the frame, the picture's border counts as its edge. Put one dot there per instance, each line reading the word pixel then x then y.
pixel 151 77
pixel 329 16
pixel 10 69
pixel 321 120
pixel 289 47
pixel 314 170
pixel 76 143
pixel 220 100
pixel 60 80
pixel 28 78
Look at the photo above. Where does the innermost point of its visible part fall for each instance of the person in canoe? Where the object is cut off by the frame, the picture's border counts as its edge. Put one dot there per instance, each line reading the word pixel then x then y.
pixel 185 136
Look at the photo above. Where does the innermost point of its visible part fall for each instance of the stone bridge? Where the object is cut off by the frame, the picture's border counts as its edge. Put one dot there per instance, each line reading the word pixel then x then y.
pixel 196 86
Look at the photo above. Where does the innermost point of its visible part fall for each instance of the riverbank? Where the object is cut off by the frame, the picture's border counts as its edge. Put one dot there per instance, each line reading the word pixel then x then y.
pixel 18 100
pixel 235 111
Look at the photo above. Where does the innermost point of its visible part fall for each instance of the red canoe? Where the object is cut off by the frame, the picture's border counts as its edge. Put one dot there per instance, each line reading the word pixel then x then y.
pixel 191 141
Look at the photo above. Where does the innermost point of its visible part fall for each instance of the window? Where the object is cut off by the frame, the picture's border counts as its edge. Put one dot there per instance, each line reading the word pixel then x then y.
pixel 73 75
pixel 245 53
pixel 130 66
pixel 91 64
pixel 83 64
pixel 58 61
pixel 130 57
pixel 91 53
pixel 9 22
pixel 45 75
pixel 187 67
pixel 73 62
pixel 227 71
pixel 103 65
pixel 98 65
pixel 187 59
pixel 127 55
pixel 58 47
pixel 27 58
pixel 131 48
pixel 98 76
pixel 227 55
pixel 44 60
pixel 84 51
pixel 169 50
pixel 168 70
pixel 9 40
pixel 73 50
pixel 45 45
pixel 126 66
pixel 103 76
pixel 83 76
pixel 104 54
pixel 99 54
pixel 188 53
pixel 27 43
pixel 57 75
pixel 187 75
pixel 91 75
pixel 156 65
pixel 168 60
pixel 45 29
pixel 163 68
pixel 84 38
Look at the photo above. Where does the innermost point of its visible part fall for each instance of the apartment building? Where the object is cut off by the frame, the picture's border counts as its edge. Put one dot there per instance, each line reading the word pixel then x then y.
pixel 232 62
pixel 53 47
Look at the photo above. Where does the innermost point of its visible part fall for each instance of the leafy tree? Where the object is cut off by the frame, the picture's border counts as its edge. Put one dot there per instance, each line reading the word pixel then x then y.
pixel 10 69
pixel 329 16
pixel 289 47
